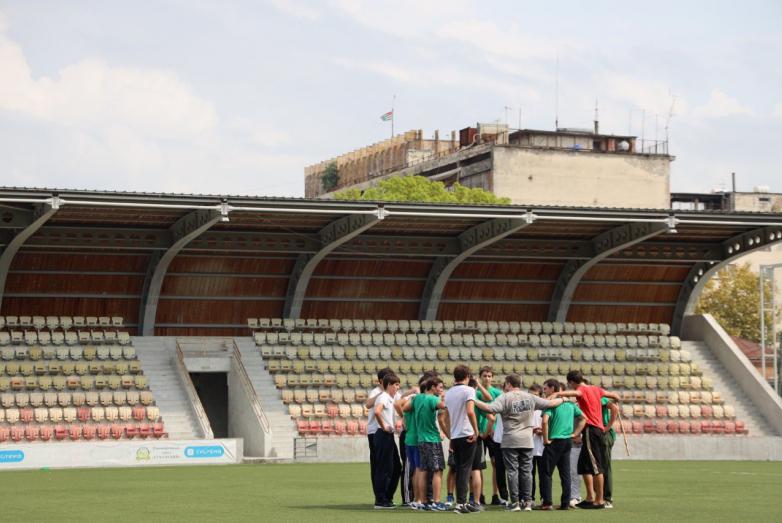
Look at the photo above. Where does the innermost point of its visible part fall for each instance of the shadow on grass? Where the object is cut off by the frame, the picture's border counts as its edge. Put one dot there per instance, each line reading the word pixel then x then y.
pixel 358 508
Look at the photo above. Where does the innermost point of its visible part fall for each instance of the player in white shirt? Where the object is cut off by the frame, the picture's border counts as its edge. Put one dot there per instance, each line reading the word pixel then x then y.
pixel 388 468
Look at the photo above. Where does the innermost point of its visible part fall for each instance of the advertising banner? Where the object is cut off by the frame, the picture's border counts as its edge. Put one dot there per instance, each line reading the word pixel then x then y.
pixel 119 454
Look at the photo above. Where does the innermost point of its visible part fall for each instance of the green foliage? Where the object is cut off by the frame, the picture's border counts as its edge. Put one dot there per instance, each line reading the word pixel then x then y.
pixel 330 177
pixel 420 189
pixel 733 298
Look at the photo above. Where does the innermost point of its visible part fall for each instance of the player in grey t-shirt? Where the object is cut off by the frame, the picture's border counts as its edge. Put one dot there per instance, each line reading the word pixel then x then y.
pixel 517 409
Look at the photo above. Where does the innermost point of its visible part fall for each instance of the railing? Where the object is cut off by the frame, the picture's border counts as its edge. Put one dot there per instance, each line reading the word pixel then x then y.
pixel 195 401
pixel 654 148
pixel 236 361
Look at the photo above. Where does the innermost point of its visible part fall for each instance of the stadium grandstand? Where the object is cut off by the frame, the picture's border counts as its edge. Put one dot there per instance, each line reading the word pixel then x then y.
pixel 228 327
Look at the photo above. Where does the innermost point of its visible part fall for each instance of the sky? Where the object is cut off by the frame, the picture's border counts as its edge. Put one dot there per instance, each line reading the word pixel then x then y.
pixel 238 97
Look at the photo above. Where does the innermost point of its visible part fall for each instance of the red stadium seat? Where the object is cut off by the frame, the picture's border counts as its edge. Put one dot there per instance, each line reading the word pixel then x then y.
pixel 145 430
pixel 339 427
pixel 88 432
pixel 46 432
pixel 362 427
pixel 617 426
pixel 139 413
pixel 706 427
pixel 628 426
pixel 117 431
pixel 75 432
pixel 718 428
pixel 332 411
pixel 31 432
pixel 17 433
pixel 673 427
pixel 638 427
pixel 740 428
pixel 327 428
pixel 131 430
pixel 730 428
pixel 660 426
pixel 649 427
pixel 695 427
pixel 103 431
pixel 661 411
pixel 27 415
pixel 4 433
pixel 398 426
pixel 83 414
pixel 314 427
pixel 60 432
pixel 684 427
pixel 353 427
pixel 706 411
pixel 158 430
pixel 303 426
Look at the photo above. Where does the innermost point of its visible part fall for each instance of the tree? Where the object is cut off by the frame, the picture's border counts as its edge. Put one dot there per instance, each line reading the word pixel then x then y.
pixel 733 298
pixel 330 177
pixel 420 189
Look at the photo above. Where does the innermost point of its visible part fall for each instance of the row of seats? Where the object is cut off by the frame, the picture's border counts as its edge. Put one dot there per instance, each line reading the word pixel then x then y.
pixel 64 399
pixel 34 433
pixel 348 366
pixel 70 414
pixel 85 383
pixel 88 353
pixel 67 338
pixel 468 340
pixel 433 354
pixel 684 427
pixel 52 368
pixel 424 326
pixel 64 322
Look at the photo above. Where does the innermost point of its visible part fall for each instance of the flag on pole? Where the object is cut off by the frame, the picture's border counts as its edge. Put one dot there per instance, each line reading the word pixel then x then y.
pixel 386 117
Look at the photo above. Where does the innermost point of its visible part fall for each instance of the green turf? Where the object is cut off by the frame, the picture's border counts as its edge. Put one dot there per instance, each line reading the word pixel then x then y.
pixel 644 491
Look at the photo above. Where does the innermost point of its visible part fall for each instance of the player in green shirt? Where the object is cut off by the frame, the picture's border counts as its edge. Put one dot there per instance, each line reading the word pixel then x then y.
pixel 430 448
pixel 485 390
pixel 558 432
pixel 610 412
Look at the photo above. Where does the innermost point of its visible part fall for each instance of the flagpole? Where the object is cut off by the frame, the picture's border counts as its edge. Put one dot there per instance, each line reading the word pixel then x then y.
pixel 392 116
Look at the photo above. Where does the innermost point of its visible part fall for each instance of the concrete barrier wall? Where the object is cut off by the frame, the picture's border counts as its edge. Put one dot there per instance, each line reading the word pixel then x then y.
pixel 706 329
pixel 662 448
pixel 242 421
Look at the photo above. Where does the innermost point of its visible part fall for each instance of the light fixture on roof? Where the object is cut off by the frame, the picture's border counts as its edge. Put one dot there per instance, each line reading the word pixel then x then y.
pixel 672 221
pixel 224 212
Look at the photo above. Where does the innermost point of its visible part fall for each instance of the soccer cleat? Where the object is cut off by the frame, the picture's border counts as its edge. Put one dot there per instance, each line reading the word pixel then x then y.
pixel 438 506
pixel 478 507
pixel 574 502
pixel 594 506
pixel 585 504
pixel 544 507
pixel 563 507
pixel 483 499
pixel 504 503
pixel 495 499
pixel 461 509
pixel 527 507
pixel 385 505
pixel 514 507
pixel 449 500
pixel 608 504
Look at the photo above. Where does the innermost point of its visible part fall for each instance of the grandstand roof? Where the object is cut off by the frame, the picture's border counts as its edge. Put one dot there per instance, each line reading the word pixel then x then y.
pixel 202 264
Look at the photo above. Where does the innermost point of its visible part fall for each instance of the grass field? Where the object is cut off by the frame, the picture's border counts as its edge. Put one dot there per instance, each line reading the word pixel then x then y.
pixel 644 491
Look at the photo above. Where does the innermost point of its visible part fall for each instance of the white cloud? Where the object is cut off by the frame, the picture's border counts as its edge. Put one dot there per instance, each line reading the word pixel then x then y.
pixel 778 109
pixel 486 36
pixel 721 105
pixel 297 9
pixel 92 95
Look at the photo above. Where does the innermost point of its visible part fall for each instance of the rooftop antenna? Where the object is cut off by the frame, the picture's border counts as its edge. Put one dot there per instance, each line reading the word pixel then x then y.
pixel 670 114
pixel 556 97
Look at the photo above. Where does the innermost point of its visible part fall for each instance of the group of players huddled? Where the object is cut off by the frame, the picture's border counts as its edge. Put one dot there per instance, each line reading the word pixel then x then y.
pixel 523 433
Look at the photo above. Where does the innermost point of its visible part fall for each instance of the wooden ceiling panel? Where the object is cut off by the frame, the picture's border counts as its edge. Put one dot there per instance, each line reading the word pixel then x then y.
pixel 126 308
pixel 372 267
pixel 360 310
pixel 64 261
pixel 112 284
pixel 598 292
pixel 623 314
pixel 510 271
pixel 223 286
pixel 223 312
pixel 492 312
pixel 366 289
pixel 228 265
pixel 501 291
pixel 616 272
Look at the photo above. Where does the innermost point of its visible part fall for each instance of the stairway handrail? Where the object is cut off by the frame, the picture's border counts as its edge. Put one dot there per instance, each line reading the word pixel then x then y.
pixel 248 385
pixel 195 401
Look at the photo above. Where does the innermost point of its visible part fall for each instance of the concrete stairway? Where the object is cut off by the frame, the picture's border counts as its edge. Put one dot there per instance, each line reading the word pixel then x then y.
pixel 155 355
pixel 282 427
pixel 733 395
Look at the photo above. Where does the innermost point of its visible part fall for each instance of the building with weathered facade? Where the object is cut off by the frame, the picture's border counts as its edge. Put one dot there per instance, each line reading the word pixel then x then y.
pixel 566 167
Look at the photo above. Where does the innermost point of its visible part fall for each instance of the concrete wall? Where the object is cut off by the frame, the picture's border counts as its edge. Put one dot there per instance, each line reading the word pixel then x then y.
pixel 556 177
pixel 355 449
pixel 705 328
pixel 242 421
